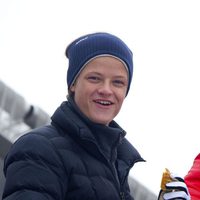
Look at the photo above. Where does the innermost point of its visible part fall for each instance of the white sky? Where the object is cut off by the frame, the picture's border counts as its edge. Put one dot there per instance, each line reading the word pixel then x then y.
pixel 162 111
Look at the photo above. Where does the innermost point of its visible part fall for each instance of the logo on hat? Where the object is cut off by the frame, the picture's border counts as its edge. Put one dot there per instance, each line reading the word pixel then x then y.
pixel 81 40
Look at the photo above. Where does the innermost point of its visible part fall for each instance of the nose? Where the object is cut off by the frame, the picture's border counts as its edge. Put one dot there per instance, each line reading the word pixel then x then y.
pixel 105 89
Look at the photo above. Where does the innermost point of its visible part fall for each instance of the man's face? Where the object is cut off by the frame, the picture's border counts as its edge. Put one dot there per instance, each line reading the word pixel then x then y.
pixel 100 89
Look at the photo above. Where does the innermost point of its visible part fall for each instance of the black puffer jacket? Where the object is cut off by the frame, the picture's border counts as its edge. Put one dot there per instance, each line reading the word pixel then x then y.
pixel 71 159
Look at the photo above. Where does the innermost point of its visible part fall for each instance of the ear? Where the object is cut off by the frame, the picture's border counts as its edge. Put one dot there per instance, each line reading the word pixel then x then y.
pixel 72 88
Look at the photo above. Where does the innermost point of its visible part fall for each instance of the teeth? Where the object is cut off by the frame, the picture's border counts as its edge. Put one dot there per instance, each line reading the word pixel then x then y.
pixel 104 102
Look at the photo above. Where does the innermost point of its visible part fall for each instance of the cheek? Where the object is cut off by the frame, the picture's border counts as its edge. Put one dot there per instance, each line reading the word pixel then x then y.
pixel 81 94
pixel 120 103
pixel 76 88
pixel 121 94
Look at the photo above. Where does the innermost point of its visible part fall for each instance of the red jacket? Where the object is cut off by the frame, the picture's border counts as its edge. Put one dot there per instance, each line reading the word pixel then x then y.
pixel 192 179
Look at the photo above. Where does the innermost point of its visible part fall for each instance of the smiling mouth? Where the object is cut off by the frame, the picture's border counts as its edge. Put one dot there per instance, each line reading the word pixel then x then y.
pixel 103 103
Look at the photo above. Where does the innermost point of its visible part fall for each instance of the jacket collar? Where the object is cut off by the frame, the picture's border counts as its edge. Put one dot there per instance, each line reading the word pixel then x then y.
pixel 99 139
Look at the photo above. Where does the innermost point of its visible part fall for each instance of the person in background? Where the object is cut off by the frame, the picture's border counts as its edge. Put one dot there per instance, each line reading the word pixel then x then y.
pixel 83 154
pixel 175 189
pixel 187 188
pixel 192 179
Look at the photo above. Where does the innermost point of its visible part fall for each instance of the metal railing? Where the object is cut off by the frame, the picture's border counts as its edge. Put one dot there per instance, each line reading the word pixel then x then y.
pixel 16 115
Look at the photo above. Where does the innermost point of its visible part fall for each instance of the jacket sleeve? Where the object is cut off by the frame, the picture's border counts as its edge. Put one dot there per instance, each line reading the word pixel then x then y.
pixel 33 170
pixel 192 179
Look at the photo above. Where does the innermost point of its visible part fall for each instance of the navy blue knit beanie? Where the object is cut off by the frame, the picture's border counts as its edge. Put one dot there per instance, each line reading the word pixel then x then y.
pixel 83 49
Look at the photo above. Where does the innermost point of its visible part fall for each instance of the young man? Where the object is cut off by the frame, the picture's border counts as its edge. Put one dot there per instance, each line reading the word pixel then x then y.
pixel 83 154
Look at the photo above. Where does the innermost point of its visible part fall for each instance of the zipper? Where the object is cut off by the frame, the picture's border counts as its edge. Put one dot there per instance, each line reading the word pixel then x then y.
pixel 113 169
pixel 119 183
pixel 122 196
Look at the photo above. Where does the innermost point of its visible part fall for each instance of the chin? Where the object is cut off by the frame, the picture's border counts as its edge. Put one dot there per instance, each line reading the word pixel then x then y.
pixel 102 121
pixel 101 118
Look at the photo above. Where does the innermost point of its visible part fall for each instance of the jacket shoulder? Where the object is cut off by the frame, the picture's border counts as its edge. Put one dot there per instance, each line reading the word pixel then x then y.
pixel 34 152
pixel 34 145
pixel 129 153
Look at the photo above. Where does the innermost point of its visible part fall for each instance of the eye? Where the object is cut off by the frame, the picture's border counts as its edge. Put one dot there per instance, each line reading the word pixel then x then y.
pixel 93 79
pixel 119 83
